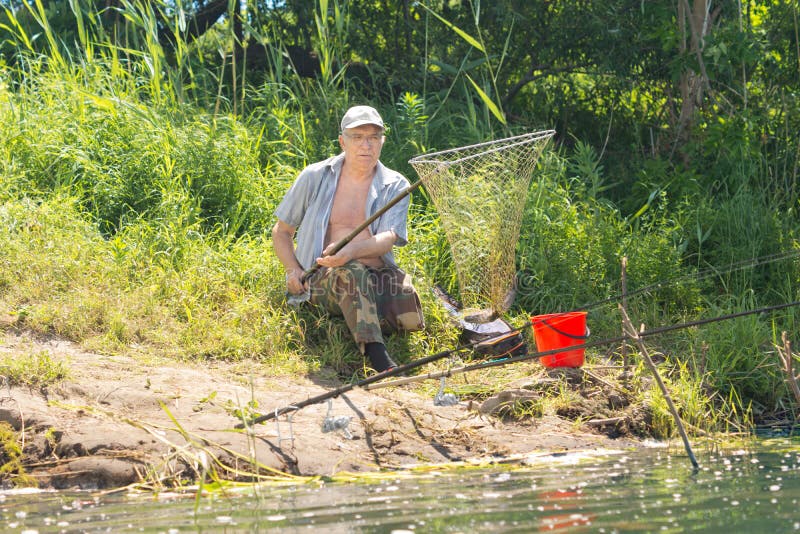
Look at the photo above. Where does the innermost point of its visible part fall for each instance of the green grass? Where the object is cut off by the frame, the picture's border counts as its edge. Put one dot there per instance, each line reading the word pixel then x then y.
pixel 135 207
pixel 12 469
pixel 32 370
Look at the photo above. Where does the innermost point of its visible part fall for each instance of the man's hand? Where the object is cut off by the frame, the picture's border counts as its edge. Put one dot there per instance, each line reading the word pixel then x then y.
pixel 335 260
pixel 294 284
pixel 363 250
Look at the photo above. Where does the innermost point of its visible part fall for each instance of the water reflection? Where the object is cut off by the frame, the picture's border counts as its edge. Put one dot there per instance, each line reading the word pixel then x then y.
pixel 567 505
pixel 641 491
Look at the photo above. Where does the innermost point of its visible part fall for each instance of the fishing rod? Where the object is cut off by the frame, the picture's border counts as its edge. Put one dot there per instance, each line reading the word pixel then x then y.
pixel 607 341
pixel 363 384
pixel 711 271
pixel 296 300
pixel 380 376
pixel 344 389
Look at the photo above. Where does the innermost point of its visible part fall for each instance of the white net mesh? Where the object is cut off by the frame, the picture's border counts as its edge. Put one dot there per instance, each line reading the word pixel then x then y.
pixel 480 192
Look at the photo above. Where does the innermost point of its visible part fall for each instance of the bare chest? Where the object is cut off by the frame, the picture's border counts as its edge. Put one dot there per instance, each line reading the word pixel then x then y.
pixel 349 204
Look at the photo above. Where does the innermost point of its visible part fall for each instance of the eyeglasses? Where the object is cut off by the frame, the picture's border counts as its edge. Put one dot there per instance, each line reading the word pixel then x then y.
pixel 370 139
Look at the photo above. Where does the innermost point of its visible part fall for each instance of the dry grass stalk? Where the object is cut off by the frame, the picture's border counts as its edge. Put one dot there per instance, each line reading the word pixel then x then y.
pixel 788 366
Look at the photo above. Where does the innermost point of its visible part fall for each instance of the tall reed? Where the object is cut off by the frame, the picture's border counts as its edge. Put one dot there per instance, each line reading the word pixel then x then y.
pixel 138 188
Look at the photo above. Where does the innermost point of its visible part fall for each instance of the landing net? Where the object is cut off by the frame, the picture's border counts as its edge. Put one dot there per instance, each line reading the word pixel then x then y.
pixel 480 192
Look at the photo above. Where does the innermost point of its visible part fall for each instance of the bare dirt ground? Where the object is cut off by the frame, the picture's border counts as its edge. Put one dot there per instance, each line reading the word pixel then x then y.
pixel 118 420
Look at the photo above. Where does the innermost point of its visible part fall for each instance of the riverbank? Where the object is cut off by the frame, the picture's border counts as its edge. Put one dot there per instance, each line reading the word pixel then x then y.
pixel 127 419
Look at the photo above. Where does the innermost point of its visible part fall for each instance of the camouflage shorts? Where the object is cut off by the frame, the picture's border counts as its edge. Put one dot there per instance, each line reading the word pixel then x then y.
pixel 372 301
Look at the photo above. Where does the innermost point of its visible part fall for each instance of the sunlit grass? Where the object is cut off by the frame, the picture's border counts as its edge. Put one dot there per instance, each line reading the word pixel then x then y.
pixel 37 370
pixel 61 276
pixel 137 191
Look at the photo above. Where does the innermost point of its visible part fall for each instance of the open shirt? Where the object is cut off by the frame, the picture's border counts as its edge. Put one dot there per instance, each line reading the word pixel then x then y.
pixel 308 203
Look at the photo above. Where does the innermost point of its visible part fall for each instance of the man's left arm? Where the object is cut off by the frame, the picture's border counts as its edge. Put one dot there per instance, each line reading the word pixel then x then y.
pixel 373 247
pixel 396 219
pixel 388 231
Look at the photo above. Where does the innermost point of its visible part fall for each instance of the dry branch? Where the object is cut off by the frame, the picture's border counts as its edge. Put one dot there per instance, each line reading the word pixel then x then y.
pixel 788 366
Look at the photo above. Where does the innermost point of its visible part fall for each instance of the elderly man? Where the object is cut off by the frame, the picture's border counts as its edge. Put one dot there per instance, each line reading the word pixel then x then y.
pixel 326 203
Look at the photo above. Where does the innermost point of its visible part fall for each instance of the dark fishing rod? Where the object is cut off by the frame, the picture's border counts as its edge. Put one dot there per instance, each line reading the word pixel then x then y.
pixel 344 389
pixel 711 271
pixel 499 362
pixel 619 339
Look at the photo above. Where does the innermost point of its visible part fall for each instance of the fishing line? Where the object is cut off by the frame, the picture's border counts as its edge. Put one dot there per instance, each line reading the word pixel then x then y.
pixel 495 363
pixel 707 273
pixel 601 342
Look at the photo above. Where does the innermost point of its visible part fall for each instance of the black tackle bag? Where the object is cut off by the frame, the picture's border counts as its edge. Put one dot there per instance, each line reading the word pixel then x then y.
pixel 493 339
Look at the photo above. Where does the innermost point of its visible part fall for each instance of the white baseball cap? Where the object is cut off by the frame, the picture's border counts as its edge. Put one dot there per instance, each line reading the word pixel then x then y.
pixel 360 115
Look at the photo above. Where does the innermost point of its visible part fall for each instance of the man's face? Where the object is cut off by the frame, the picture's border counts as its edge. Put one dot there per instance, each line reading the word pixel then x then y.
pixel 362 145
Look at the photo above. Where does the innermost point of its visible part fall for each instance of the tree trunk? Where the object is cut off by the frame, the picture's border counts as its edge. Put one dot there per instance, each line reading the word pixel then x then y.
pixel 199 23
pixel 694 25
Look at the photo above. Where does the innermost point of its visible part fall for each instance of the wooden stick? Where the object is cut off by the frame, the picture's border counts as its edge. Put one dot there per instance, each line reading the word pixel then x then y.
pixel 624 280
pixel 788 365
pixel 631 331
pixel 602 422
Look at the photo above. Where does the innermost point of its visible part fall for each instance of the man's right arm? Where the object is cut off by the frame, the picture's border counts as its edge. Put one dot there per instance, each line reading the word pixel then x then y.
pixel 283 243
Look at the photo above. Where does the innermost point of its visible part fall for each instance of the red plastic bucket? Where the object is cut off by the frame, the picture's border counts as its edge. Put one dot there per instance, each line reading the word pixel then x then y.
pixel 557 330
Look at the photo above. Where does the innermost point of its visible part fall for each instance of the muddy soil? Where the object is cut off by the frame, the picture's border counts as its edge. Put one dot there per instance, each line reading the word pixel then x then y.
pixel 122 420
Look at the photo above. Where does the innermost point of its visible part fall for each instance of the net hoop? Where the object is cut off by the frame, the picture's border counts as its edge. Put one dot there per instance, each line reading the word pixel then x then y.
pixel 479 192
pixel 482 148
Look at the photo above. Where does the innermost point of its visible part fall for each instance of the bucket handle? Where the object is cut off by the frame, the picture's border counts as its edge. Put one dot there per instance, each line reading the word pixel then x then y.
pixel 566 334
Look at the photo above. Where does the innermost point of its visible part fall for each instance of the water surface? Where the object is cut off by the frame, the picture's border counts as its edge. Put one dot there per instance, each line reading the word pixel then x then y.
pixel 654 490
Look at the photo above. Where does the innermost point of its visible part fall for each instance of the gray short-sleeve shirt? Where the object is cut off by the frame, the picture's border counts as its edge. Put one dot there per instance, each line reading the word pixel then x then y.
pixel 308 202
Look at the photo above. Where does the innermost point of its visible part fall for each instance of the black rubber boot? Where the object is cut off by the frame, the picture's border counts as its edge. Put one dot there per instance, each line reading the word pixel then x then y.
pixel 379 357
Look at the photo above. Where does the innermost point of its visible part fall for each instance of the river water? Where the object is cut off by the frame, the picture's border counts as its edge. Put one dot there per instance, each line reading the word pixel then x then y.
pixel 749 490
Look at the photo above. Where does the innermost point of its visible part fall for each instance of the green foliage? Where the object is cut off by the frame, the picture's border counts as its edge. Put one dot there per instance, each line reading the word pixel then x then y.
pixel 12 466
pixel 688 389
pixel 141 165
pixel 32 370
pixel 739 358
pixel 127 162
pixel 573 242
pixel 408 133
